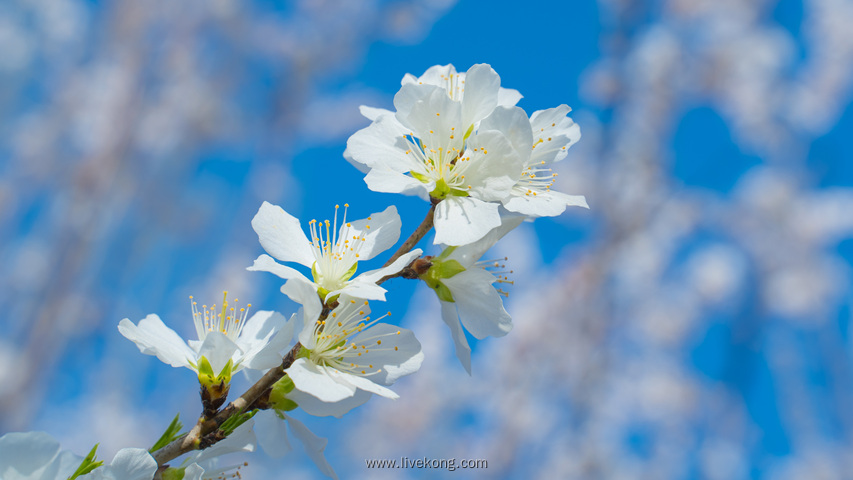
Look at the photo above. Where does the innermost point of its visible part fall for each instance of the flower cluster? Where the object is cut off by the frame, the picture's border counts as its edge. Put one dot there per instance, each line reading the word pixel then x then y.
pixel 454 139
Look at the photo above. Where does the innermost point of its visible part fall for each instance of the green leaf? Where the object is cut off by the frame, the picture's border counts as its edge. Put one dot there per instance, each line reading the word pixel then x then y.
pixel 174 474
pixel 278 395
pixel 170 435
pixel 89 463
pixel 228 426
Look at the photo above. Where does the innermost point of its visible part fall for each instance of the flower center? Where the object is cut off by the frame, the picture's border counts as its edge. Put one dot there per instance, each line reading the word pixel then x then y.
pixel 445 161
pixel 335 346
pixel 227 320
pixel 335 255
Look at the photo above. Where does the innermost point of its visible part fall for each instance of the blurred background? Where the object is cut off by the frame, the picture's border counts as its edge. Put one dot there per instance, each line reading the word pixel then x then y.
pixel 694 323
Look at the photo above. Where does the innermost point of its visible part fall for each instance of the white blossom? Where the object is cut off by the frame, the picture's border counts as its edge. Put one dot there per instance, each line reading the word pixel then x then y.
pixel 223 335
pixel 331 254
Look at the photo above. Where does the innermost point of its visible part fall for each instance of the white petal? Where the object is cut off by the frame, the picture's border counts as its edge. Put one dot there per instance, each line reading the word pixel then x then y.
pixel 154 338
pixel 272 433
pixel 438 75
pixel 437 121
pixel 405 358
pixel 304 293
pixel 481 93
pixel 374 276
pixel 266 263
pixel 318 408
pixel 360 289
pixel 451 318
pixel 218 349
pixel 360 382
pixel 479 304
pixel 193 472
pixel 380 231
pixel 555 131
pixel 317 381
pixel 467 255
pixel 25 453
pixel 492 175
pixel 262 339
pixel 544 204
pixel 372 113
pixel 387 181
pixel 512 122
pixel 382 144
pixel 281 235
pixel 128 464
pixel 508 97
pixel 314 446
pixel 463 220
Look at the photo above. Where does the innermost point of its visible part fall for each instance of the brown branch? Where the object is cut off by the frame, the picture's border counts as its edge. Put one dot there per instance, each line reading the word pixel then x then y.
pixel 190 441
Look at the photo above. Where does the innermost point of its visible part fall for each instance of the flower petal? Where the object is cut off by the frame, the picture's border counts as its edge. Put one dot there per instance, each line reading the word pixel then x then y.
pixel 314 446
pixel 451 318
pixel 479 304
pixel 508 97
pixel 128 464
pixel 318 408
pixel 218 349
pixel 360 382
pixel 494 166
pixel 382 144
pixel 399 353
pixel 304 293
pixel 482 84
pixel 25 453
pixel 557 133
pixel 388 181
pixel 155 338
pixel 281 235
pixel 266 263
pixel 263 337
pixel 373 276
pixel 317 381
pixel 467 255
pixel 513 123
pixel 272 433
pixel 463 220
pixel 380 231
pixel 543 204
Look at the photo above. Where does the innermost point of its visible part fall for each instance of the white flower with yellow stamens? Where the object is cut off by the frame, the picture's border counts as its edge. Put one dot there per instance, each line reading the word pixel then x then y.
pixel 224 336
pixel 432 149
pixel 481 81
pixel 331 254
pixel 349 351
pixel 552 133
pixel 465 288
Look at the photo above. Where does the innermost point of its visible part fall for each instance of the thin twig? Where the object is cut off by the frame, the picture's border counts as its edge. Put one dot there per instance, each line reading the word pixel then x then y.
pixel 190 441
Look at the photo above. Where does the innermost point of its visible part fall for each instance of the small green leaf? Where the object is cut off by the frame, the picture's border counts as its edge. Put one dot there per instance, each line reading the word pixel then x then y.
pixel 89 463
pixel 228 426
pixel 171 434
pixel 174 474
pixel 278 395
